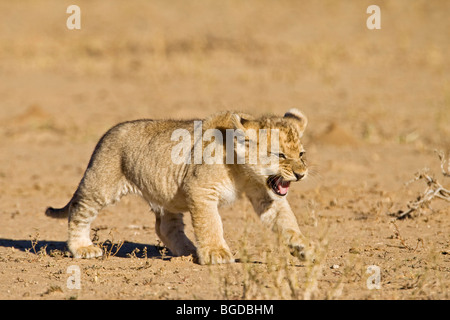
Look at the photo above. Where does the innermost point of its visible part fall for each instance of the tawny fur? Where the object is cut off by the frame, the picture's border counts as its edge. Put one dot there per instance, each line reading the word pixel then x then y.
pixel 135 157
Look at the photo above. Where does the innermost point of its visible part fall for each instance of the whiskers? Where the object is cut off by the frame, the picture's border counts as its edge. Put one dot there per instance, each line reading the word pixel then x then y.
pixel 314 174
pixel 286 173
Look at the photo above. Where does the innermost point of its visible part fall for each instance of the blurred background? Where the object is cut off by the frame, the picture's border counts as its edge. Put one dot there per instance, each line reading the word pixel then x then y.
pixel 191 58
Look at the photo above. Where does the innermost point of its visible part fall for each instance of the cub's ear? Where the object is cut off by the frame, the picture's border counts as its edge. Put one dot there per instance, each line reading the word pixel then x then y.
pixel 238 122
pixel 297 117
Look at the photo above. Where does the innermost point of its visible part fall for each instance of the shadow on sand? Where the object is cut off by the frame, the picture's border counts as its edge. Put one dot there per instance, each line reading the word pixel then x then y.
pixel 126 250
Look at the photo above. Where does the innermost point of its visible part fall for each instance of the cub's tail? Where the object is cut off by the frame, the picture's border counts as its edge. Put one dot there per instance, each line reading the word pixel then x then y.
pixel 58 213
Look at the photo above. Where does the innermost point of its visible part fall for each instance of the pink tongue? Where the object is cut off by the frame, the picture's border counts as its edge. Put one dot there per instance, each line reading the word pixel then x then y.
pixel 283 187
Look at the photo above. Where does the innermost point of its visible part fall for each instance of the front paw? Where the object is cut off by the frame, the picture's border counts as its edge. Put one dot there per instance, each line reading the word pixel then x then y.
pixel 296 246
pixel 297 250
pixel 214 255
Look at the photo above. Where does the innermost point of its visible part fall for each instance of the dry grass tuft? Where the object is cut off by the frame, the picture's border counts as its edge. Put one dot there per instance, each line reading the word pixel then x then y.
pixel 110 247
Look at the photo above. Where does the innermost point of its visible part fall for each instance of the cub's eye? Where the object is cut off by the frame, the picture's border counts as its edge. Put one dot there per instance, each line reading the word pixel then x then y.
pixel 280 155
pixel 302 154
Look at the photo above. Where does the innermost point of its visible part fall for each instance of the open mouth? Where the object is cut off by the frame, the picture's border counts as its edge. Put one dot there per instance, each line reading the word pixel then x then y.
pixel 278 185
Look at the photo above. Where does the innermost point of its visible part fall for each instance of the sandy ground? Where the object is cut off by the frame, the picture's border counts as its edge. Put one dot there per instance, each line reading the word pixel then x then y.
pixel 378 103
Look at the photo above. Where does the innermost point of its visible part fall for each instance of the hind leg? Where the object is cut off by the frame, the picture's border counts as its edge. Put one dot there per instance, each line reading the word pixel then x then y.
pixel 81 215
pixel 170 229
pixel 104 182
pixel 88 200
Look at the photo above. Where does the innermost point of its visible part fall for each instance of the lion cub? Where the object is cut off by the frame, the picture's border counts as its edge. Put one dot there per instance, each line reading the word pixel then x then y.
pixel 147 157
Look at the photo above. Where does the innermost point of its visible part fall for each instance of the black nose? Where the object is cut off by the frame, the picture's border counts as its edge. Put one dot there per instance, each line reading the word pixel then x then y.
pixel 298 176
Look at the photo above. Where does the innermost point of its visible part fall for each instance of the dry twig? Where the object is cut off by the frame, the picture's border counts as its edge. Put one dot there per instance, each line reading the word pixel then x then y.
pixel 434 190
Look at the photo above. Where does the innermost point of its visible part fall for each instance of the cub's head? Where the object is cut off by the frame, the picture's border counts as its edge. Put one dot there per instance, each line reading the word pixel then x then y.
pixel 271 145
